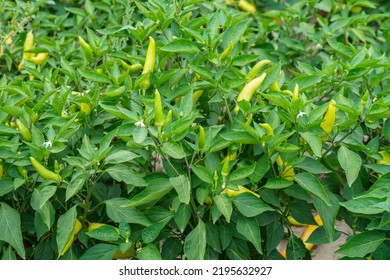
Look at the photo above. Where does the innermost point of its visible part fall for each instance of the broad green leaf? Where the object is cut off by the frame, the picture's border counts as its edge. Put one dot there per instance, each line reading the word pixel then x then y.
pixel 212 234
pixel 312 166
pixel 104 233
pixel 10 229
pixel 234 33
pixel 180 46
pixel 195 242
pixel 250 206
pixel 118 213
pixel 65 226
pixel 120 157
pixel 295 249
pixel 75 185
pixel 224 205
pixel 351 162
pixel 149 252
pixel 241 137
pixel 94 76
pixel 155 190
pixel 41 195
pixel 182 187
pixel 182 216
pixel 6 186
pixel 101 251
pixel 173 150
pixel 262 167
pixel 314 141
pixel 123 173
pixel 328 214
pixel 277 183
pixel 363 205
pixel 139 134
pixel 242 172
pixel 203 173
pixel 312 184
pixel 274 235
pixel 226 235
pixel 150 233
pixel 358 246
pixel 171 248
pixel 250 229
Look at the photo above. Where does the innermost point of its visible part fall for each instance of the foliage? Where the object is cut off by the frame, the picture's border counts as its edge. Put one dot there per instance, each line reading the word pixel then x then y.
pixel 218 178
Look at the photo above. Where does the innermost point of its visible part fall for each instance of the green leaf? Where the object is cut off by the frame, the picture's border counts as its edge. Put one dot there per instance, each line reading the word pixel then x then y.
pixel 150 233
pixel 250 229
pixel 101 251
pixel 358 246
pixel 182 216
pixel 171 248
pixel 10 229
pixel 104 233
pixel 94 76
pixel 149 252
pixel 295 249
pixel 250 206
pixel 123 173
pixel 224 205
pixel 155 190
pixel 139 134
pixel 118 213
pixel 351 162
pixel 195 242
pixel 242 172
pixel 77 182
pixel 312 166
pixel 41 195
pixel 277 183
pixel 203 173
pixel 120 157
pixel 234 33
pixel 65 226
pixel 312 184
pixel 173 149
pixel 181 46
pixel 183 188
pixel 314 141
pixel 241 137
pixel 328 214
pixel 212 234
pixel 363 205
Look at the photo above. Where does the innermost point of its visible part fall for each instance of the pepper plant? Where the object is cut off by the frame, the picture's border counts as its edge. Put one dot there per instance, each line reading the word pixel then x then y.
pixel 193 129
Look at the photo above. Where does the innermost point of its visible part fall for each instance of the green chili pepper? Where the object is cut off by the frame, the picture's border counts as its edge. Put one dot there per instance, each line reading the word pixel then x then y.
pixel 44 172
pixel 88 52
pixel 24 131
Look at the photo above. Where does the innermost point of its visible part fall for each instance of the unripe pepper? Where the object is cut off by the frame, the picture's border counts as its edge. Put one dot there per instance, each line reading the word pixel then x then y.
pixel 24 131
pixel 287 170
pixel 385 159
pixel 256 69
pixel 150 61
pixel 44 172
pixel 329 119
pixel 225 167
pixel 158 111
pixel 39 58
pixel 1 171
pixel 249 89
pixel 76 230
pixel 132 68
pixel 275 86
pixel 226 52
pixel 201 139
pixel 268 129
pixel 197 95
pixel 241 189
pixel 93 226
pixel 88 52
pixel 247 7
pixel 295 93
pixel 168 117
pixel 84 107
pixel 28 45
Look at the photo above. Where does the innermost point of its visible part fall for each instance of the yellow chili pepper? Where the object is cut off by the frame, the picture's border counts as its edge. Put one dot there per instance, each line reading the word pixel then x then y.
pixel 225 167
pixel 24 131
pixel 93 226
pixel 28 45
pixel 256 69
pixel 150 61
pixel 241 189
pixel 295 93
pixel 84 107
pixel 158 110
pixel 132 68
pixel 44 172
pixel 385 159
pixel 88 52
pixel 247 7
pixel 249 89
pixel 197 95
pixel 309 230
pixel 287 171
pixel 76 230
pixel 226 52
pixel 1 171
pixel 275 86
pixel 39 58
pixel 329 119
pixel 268 129
pixel 201 138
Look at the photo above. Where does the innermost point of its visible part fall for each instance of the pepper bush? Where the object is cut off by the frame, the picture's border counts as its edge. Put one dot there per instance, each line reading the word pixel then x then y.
pixel 220 178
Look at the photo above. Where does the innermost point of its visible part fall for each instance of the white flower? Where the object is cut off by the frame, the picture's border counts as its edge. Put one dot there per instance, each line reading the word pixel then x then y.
pixel 301 114
pixel 47 145
pixel 140 123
